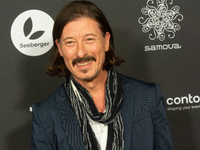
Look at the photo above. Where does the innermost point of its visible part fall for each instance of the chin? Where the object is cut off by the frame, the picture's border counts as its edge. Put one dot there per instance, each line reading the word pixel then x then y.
pixel 86 77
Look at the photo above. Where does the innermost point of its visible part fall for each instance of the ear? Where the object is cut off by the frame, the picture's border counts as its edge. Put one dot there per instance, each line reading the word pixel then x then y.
pixel 107 41
pixel 59 47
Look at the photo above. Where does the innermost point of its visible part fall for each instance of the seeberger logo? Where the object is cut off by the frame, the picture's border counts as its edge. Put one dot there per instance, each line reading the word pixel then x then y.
pixel 160 19
pixel 31 32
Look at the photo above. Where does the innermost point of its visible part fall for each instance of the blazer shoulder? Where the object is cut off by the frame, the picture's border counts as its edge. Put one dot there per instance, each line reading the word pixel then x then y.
pixel 139 90
pixel 137 83
pixel 50 102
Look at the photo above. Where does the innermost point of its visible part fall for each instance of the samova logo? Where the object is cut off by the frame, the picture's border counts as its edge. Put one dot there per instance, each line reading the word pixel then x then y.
pixel 31 32
pixel 160 19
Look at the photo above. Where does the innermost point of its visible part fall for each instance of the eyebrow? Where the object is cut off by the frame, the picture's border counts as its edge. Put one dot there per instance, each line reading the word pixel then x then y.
pixel 89 34
pixel 67 38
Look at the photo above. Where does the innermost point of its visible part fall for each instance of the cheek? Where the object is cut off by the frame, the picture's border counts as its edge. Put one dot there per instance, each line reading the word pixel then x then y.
pixel 68 57
pixel 68 53
pixel 97 50
pixel 100 55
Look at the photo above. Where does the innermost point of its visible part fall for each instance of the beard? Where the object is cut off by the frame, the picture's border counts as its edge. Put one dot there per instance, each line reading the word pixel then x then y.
pixel 86 78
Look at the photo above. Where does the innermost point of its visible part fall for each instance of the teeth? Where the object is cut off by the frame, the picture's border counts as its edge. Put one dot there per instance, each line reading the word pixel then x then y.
pixel 83 64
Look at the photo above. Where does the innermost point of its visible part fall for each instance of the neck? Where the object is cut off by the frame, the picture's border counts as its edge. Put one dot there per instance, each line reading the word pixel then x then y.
pixel 96 88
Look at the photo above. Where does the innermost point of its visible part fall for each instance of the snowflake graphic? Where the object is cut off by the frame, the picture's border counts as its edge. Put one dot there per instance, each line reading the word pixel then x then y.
pixel 160 19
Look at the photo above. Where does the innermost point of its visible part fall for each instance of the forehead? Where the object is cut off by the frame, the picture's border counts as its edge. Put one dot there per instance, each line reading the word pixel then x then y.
pixel 82 25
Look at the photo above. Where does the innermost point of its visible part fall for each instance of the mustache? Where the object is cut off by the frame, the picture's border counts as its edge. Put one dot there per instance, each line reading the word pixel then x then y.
pixel 87 58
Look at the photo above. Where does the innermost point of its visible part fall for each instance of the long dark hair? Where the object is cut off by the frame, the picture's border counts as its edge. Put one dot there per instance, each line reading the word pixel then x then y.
pixel 71 12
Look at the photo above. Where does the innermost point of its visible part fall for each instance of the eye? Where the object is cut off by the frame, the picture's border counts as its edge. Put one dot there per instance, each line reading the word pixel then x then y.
pixel 90 40
pixel 69 43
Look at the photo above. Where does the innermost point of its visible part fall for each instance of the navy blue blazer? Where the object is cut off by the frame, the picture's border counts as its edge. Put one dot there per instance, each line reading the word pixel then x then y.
pixel 55 126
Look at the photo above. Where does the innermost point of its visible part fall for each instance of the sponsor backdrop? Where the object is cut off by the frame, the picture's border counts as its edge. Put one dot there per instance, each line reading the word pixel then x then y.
pixel 159 39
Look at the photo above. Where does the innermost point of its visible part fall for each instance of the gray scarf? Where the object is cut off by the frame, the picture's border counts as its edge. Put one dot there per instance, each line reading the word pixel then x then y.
pixel 112 117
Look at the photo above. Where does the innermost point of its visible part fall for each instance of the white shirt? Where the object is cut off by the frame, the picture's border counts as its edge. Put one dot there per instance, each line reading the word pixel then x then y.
pixel 100 130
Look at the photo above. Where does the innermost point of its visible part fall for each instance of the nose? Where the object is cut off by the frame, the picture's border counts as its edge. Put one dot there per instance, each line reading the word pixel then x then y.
pixel 81 51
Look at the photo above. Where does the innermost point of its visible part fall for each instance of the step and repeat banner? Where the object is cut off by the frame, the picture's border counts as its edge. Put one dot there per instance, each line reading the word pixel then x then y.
pixel 159 40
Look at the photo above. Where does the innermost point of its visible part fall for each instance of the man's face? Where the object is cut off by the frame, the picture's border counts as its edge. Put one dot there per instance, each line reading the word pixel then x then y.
pixel 83 48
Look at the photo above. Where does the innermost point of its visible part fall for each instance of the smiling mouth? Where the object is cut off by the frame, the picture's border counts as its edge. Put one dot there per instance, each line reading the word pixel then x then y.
pixel 83 63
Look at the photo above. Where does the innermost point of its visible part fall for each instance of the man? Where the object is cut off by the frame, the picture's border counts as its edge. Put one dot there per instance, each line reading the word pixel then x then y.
pixel 96 108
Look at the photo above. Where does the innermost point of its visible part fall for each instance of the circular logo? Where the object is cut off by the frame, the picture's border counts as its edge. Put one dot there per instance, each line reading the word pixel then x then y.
pixel 31 32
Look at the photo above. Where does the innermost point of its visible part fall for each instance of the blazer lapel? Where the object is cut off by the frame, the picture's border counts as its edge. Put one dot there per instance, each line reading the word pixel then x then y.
pixel 69 122
pixel 134 109
pixel 126 112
